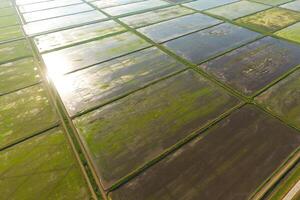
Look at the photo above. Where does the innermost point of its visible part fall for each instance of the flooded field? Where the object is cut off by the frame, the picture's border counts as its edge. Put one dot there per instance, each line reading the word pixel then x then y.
pixel 149 99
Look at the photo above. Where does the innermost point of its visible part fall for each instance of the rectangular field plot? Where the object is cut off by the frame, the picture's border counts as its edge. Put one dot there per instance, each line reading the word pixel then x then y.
pixel 155 16
pixel 54 24
pixel 47 5
pixel 200 46
pixel 24 113
pixel 14 50
pixel 270 20
pixel 76 35
pixel 91 53
pixel 229 162
pixel 42 168
pixel 238 9
pixel 254 66
pixel 134 130
pixel 18 74
pixel 56 12
pixel 204 4
pixel 10 33
pixel 135 7
pixel 110 3
pixel 102 83
pixel 9 20
pixel 291 33
pixel 284 99
pixel 167 30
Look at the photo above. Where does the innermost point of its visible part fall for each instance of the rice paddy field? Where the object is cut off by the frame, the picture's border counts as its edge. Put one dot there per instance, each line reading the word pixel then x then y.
pixel 150 99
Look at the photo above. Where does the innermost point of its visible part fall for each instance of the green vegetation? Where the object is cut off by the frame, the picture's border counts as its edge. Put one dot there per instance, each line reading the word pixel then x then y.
pixel 270 20
pixel 42 168
pixel 284 99
pixel 291 33
pixel 14 50
pixel 17 74
pixel 24 113
pixel 238 9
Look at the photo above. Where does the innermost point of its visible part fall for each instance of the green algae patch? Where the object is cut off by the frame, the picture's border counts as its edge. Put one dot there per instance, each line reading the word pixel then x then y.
pixel 155 16
pixel 42 167
pixel 14 50
pixel 270 20
pixel 238 9
pixel 273 2
pixel 18 74
pixel 75 35
pixel 102 83
pixel 252 67
pixel 291 33
pixel 87 54
pixel 10 33
pixel 247 145
pixel 24 113
pixel 10 20
pixel 284 99
pixel 134 130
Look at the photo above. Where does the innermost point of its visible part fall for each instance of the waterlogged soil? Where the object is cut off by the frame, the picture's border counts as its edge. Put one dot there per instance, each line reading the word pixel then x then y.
pixel 270 20
pixel 291 33
pixel 200 46
pixel 18 74
pixel 102 83
pixel 204 4
pixel 283 99
pixel 248 145
pixel 47 5
pixel 254 66
pixel 24 2
pixel 135 7
pixel 54 24
pixel 24 113
pixel 134 130
pixel 171 29
pixel 75 35
pixel 42 168
pixel 155 16
pixel 87 54
pixel 56 12
pixel 238 9
pixel 14 50
pixel 110 3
